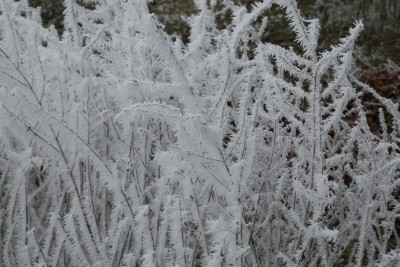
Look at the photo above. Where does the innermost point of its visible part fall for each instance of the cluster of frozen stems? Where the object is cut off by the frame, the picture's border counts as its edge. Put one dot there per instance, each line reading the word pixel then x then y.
pixel 121 146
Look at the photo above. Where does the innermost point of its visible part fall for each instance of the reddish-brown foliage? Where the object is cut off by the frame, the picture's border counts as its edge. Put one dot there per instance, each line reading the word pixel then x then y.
pixel 386 81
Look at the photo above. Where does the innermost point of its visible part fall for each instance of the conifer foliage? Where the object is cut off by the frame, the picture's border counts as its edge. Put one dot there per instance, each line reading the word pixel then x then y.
pixel 121 146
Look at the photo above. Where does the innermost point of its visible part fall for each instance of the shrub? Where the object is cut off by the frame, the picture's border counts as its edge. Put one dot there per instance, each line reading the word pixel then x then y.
pixel 120 146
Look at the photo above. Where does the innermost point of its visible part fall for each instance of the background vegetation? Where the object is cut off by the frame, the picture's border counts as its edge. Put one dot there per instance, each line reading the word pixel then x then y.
pixel 379 42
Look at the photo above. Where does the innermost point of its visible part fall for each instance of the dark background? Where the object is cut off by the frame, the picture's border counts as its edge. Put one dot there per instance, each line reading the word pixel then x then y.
pixel 379 42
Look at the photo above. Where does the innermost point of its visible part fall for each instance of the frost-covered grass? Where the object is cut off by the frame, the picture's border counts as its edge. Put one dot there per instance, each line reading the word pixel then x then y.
pixel 122 147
